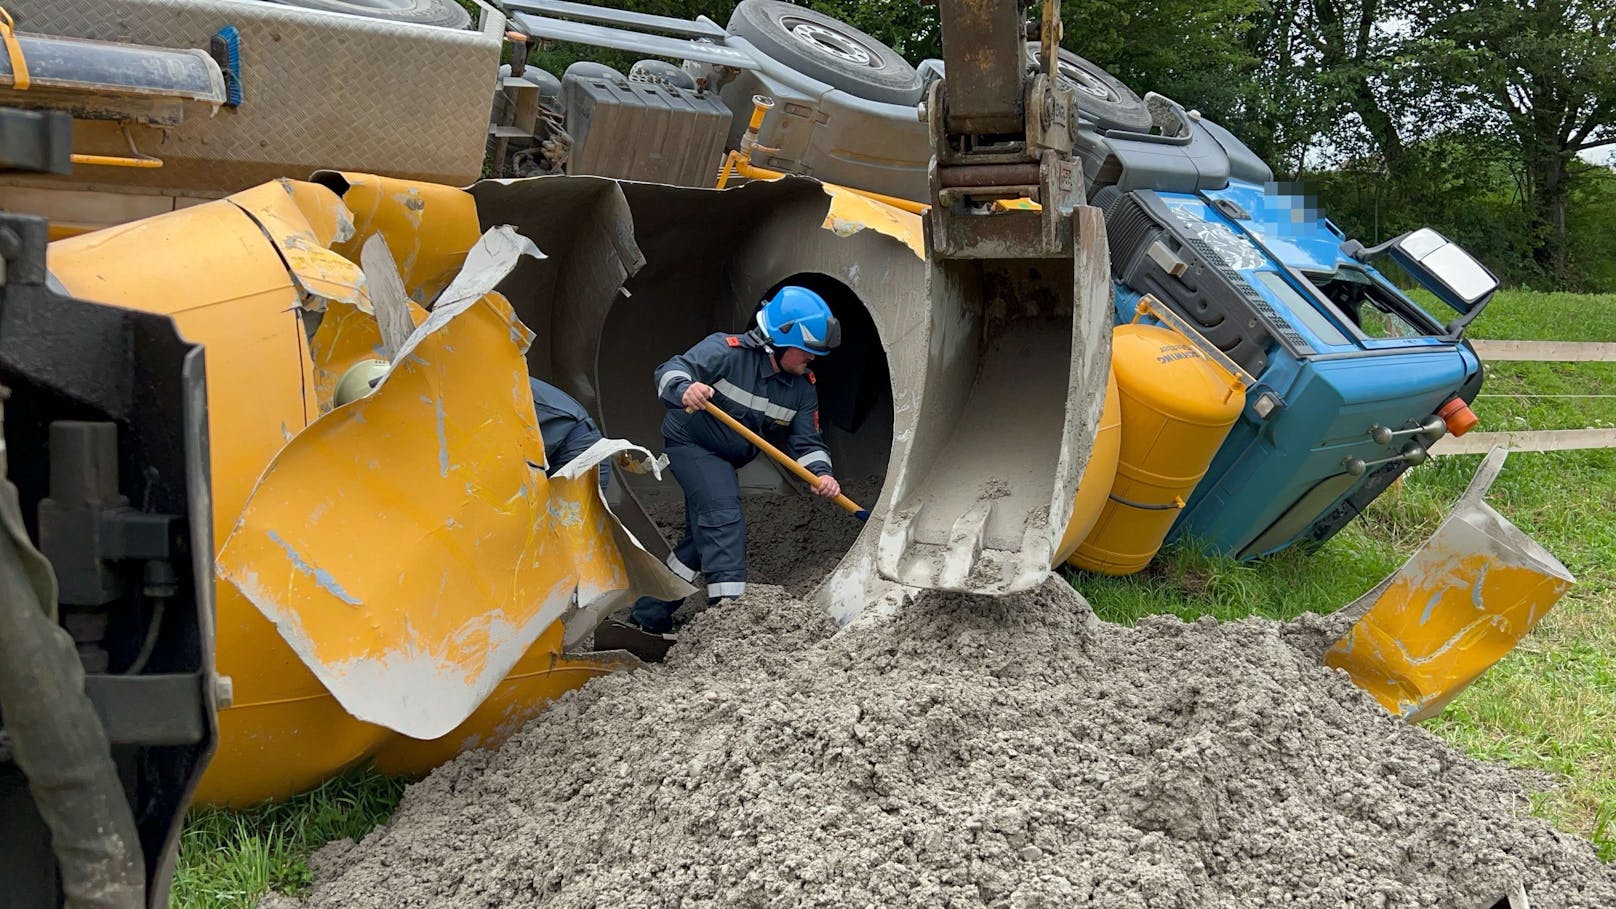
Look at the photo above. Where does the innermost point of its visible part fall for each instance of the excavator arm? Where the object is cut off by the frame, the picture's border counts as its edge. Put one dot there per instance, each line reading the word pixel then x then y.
pixel 1001 130
pixel 1010 399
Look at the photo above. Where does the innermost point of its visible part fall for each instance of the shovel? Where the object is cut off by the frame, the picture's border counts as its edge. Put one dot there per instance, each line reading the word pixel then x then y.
pixel 803 473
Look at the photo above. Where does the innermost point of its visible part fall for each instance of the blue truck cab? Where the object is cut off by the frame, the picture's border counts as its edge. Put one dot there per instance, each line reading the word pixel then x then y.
pixel 1349 373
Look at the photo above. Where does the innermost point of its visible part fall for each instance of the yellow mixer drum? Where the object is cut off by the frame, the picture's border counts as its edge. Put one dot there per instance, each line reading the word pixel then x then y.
pixel 1178 405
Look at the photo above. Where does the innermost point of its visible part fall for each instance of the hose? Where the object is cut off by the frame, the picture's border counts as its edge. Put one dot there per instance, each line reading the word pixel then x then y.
pixel 56 738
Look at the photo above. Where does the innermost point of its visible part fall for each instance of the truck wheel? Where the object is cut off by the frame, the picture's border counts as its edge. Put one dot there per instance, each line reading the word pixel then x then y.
pixel 833 52
pixel 1101 95
pixel 444 13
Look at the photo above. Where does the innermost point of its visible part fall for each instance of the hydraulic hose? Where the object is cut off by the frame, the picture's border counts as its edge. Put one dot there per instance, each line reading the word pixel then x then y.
pixel 56 738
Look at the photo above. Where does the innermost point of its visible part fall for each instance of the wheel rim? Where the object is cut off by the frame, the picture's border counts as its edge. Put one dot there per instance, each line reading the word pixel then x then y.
pixel 1086 82
pixel 829 42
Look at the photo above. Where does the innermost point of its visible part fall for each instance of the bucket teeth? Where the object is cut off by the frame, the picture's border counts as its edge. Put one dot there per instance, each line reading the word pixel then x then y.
pixel 965 562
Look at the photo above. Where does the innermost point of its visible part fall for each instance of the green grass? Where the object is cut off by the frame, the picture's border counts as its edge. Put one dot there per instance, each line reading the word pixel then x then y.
pixel 1549 706
pixel 232 858
pixel 1529 315
pixel 1517 396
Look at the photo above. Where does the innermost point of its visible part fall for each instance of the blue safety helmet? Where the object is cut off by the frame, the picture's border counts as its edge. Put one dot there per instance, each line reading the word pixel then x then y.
pixel 798 317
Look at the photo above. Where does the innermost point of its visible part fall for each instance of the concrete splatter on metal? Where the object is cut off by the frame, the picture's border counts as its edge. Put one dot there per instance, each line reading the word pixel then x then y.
pixel 320 575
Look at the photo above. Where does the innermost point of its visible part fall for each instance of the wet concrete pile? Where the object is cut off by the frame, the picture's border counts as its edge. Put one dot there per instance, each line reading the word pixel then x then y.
pixel 966 753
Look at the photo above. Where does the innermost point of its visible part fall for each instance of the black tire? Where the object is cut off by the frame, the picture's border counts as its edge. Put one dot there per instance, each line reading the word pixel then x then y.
pixel 1100 95
pixel 443 13
pixel 833 52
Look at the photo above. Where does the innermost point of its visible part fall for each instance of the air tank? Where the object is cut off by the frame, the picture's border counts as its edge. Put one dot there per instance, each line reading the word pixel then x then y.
pixel 1098 474
pixel 1178 404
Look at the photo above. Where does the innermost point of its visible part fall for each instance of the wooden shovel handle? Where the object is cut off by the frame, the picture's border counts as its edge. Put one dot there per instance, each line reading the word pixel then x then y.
pixel 803 473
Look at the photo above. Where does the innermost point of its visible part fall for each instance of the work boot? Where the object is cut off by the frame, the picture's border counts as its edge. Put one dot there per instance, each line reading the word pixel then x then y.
pixel 614 634
pixel 652 615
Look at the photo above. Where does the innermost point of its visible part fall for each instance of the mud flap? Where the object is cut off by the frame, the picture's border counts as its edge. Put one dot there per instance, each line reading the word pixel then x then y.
pixel 1456 607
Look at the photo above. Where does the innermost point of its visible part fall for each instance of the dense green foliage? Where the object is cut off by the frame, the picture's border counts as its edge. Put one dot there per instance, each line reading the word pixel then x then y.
pixel 1467 115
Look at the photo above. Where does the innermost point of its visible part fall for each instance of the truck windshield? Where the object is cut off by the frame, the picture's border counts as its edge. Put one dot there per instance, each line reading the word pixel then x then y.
pixel 1304 311
pixel 1378 311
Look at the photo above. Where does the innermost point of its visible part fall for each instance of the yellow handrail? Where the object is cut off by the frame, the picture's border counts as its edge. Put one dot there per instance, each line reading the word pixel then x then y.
pixel 20 80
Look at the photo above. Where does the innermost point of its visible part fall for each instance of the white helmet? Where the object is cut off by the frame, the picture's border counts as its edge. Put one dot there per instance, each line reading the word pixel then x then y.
pixel 360 380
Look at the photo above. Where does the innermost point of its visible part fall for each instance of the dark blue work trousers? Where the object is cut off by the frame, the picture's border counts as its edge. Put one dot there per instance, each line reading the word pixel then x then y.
pixel 714 542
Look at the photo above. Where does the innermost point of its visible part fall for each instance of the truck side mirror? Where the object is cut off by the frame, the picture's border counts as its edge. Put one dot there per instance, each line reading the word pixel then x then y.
pixel 1442 267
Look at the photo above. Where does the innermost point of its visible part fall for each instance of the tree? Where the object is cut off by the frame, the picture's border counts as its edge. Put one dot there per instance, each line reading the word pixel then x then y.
pixel 1541 73
pixel 1193 51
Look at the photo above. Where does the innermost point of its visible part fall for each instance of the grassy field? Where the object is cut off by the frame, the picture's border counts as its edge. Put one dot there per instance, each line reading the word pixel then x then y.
pixel 1550 706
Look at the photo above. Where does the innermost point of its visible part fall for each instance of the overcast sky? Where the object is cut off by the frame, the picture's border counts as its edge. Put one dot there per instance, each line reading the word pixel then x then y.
pixel 1606 155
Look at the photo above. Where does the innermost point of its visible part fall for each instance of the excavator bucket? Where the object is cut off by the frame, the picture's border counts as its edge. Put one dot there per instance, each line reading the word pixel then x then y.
pixel 1466 598
pixel 1009 403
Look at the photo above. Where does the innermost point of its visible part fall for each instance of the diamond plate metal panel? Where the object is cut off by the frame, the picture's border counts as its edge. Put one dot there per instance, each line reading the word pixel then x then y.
pixel 323 90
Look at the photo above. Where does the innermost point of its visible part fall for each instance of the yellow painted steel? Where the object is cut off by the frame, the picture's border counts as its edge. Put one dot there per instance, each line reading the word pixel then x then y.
pixel 538 678
pixel 302 220
pixel 218 270
pixel 428 226
pixel 852 211
pixel 346 336
pixel 1098 475
pixel 1177 406
pixel 407 545
pixel 1429 638
pixel 735 163
pixel 1466 598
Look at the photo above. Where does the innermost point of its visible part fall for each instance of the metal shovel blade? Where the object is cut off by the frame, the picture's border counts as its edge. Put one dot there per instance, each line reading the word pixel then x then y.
pixel 1456 607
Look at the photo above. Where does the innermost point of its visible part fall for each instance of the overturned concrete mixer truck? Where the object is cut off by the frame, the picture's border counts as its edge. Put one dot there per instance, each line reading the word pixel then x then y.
pixel 260 586
pixel 1326 340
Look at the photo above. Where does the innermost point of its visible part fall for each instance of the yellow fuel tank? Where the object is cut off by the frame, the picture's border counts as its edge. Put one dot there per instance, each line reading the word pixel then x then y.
pixel 1098 475
pixel 1178 405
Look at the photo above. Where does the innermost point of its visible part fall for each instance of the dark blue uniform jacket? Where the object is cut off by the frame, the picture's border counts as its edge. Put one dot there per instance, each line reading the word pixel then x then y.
pixel 778 406
pixel 564 424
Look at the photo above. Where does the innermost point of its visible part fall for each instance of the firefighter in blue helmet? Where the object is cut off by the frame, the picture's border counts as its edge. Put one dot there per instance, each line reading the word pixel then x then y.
pixel 565 427
pixel 760 378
